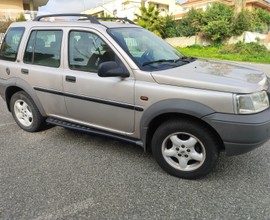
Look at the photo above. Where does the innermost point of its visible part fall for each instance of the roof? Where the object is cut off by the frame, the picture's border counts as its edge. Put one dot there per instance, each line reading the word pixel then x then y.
pixel 178 16
pixel 188 1
pixel 101 24
pixel 263 2
pixel 84 20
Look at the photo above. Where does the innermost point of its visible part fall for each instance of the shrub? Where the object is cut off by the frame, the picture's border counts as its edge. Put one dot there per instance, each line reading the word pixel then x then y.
pixel 186 26
pixel 217 12
pixel 171 29
pixel 263 15
pixel 217 21
pixel 4 25
pixel 218 30
pixel 260 20
pixel 242 49
pixel 241 23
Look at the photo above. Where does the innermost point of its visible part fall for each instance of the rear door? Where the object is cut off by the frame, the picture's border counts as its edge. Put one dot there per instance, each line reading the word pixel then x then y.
pixel 42 68
pixel 9 67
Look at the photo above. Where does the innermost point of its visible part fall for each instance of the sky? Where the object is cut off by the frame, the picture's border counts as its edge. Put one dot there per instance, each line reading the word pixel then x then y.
pixel 68 6
pixel 72 6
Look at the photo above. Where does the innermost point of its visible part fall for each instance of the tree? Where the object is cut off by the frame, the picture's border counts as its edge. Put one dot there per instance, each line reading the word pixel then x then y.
pixel 171 28
pixel 260 20
pixel 190 23
pixel 263 15
pixel 218 30
pixel 107 16
pixel 217 21
pixel 150 19
pixel 241 23
pixel 143 2
pixel 21 18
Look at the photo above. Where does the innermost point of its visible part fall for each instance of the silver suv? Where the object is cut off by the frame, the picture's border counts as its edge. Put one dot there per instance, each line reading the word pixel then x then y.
pixel 122 81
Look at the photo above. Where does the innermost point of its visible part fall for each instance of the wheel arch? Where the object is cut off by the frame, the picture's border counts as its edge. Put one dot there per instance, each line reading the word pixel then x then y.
pixel 21 85
pixel 168 109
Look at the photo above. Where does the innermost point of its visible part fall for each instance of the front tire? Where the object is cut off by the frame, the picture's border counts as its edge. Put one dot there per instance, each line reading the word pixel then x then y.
pixel 185 148
pixel 26 113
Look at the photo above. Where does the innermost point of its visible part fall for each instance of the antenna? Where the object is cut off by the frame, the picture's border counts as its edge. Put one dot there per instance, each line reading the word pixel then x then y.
pixel 102 2
pixel 83 5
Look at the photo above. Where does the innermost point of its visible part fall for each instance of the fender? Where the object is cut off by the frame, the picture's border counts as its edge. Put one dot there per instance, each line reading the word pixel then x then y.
pixel 24 86
pixel 6 83
pixel 187 107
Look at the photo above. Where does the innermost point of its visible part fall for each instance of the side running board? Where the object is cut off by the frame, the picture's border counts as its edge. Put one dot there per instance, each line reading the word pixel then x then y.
pixel 92 130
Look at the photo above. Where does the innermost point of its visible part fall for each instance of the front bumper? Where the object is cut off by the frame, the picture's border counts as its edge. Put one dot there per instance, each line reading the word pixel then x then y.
pixel 241 133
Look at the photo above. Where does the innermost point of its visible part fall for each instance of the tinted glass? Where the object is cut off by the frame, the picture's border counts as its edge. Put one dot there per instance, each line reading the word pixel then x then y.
pixel 44 48
pixel 11 44
pixel 28 55
pixel 87 51
pixel 144 46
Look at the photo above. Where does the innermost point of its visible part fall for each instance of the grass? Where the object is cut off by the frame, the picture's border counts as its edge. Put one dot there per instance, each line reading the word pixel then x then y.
pixel 251 52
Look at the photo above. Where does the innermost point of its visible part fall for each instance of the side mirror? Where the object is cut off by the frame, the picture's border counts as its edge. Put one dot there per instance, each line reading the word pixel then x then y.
pixel 111 69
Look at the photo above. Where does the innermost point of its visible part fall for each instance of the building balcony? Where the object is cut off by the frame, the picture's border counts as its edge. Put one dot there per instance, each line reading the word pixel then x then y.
pixel 13 14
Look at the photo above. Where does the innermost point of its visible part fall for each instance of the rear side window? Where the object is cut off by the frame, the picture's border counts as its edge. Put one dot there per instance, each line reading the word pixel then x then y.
pixel 44 48
pixel 11 43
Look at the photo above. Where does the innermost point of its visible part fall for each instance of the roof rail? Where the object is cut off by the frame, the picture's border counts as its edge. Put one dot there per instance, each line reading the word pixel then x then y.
pixel 122 19
pixel 89 17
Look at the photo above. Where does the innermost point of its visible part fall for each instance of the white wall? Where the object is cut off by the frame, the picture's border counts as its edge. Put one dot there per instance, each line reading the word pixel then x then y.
pixel 187 41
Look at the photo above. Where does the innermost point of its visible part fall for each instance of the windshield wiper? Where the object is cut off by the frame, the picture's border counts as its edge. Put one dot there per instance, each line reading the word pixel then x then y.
pixel 163 60
pixel 181 59
pixel 157 61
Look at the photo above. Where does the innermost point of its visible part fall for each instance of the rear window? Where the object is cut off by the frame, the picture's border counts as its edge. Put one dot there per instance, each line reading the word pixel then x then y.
pixel 11 43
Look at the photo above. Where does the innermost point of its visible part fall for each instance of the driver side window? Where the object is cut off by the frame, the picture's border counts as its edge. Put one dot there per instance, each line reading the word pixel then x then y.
pixel 87 51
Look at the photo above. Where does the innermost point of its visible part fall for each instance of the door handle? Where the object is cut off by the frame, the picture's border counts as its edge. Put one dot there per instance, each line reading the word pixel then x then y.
pixel 24 71
pixel 71 79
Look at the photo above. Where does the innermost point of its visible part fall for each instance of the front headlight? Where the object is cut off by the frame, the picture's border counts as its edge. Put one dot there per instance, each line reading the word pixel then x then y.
pixel 251 103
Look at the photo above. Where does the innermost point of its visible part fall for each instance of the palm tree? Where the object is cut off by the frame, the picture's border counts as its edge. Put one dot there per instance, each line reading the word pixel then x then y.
pixel 143 2
pixel 150 19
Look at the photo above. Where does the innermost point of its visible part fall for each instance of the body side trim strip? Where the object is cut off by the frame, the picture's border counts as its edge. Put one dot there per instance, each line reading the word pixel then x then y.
pixel 131 107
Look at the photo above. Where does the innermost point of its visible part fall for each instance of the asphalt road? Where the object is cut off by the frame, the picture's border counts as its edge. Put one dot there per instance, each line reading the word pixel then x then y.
pixel 64 174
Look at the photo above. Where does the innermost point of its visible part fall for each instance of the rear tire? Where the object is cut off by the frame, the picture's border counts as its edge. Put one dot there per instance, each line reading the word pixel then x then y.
pixel 185 148
pixel 26 113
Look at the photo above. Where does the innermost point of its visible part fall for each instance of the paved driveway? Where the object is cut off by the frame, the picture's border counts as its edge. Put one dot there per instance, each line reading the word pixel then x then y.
pixel 63 174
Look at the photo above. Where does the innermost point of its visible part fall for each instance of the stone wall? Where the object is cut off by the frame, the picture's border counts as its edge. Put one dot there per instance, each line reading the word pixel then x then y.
pixel 245 37
pixel 267 45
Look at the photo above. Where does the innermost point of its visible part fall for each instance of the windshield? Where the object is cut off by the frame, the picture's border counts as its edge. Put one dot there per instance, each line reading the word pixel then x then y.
pixel 145 48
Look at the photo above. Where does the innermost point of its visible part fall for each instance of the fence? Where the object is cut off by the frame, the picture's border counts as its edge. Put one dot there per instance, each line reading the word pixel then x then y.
pixel 2 35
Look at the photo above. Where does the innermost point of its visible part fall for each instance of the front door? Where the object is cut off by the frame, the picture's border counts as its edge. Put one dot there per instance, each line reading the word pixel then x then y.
pixel 106 103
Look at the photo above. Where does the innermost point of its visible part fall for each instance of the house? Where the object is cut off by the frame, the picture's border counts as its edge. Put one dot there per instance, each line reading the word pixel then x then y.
pixel 13 8
pixel 202 4
pixel 127 8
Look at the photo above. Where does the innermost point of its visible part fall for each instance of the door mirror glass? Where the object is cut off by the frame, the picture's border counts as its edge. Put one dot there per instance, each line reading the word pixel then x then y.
pixel 111 69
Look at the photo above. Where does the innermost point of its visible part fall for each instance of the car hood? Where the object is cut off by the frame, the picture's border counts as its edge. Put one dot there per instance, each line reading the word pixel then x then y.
pixel 214 75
